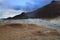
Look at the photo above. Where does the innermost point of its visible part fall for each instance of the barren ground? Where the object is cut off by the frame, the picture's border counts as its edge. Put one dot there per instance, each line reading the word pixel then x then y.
pixel 27 32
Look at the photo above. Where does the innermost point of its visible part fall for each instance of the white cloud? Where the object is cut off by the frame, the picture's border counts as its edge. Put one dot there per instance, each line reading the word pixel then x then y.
pixel 4 13
pixel 7 11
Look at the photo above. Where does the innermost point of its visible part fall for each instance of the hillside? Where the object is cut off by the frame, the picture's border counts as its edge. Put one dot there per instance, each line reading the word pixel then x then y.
pixel 49 11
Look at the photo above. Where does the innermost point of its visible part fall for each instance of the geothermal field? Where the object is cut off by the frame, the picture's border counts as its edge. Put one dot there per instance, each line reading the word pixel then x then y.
pixel 28 29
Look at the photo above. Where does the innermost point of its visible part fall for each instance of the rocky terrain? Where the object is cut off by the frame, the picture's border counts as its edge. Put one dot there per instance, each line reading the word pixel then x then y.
pixel 16 31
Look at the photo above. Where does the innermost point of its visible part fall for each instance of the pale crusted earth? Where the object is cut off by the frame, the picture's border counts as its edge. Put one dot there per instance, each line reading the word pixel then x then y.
pixel 17 31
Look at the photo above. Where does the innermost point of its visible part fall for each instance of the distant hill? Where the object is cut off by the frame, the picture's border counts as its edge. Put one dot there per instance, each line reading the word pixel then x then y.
pixel 51 10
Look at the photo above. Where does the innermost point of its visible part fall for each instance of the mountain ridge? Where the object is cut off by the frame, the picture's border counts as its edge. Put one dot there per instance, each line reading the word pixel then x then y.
pixel 49 11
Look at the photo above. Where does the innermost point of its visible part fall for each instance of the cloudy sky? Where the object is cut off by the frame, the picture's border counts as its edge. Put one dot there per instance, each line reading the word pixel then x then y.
pixel 10 8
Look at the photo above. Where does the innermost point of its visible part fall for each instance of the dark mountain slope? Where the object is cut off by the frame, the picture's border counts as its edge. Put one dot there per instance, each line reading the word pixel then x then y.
pixel 51 10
